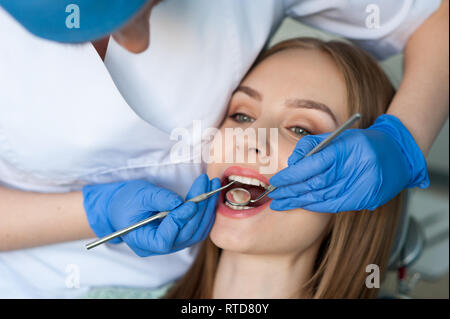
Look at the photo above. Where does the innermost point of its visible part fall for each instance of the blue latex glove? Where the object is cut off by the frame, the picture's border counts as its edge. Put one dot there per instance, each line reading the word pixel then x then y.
pixel 110 207
pixel 48 18
pixel 360 169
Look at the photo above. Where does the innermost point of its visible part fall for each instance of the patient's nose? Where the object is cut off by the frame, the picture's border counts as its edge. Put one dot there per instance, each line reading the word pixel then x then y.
pixel 254 144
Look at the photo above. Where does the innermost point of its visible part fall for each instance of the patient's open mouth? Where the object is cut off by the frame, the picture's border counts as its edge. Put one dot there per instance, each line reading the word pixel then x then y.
pixel 254 186
pixel 249 180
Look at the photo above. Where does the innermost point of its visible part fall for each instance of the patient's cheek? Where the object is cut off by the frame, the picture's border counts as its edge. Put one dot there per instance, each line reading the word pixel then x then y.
pixel 215 152
pixel 213 170
pixel 297 230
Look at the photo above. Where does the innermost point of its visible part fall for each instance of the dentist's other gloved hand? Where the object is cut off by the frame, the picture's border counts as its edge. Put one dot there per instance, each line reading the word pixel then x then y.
pixel 110 207
pixel 360 169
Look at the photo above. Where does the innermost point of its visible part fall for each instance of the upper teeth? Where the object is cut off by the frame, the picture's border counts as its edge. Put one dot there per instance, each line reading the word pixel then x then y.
pixel 247 180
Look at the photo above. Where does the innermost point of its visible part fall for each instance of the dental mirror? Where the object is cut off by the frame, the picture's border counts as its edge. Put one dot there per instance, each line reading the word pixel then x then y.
pixel 242 197
pixel 238 196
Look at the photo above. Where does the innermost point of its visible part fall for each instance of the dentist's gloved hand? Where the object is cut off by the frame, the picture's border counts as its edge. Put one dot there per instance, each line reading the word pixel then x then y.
pixel 360 169
pixel 110 207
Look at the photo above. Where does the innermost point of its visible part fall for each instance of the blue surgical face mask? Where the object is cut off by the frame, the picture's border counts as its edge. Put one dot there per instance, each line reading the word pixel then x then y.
pixel 72 21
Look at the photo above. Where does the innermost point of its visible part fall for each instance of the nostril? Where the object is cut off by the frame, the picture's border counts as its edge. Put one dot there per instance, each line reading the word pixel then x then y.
pixel 254 149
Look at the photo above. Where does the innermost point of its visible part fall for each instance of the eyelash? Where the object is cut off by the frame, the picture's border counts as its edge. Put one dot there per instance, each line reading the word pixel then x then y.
pixel 302 133
pixel 243 118
pixel 237 117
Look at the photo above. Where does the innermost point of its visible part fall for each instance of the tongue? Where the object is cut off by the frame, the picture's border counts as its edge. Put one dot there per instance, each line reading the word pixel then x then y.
pixel 255 192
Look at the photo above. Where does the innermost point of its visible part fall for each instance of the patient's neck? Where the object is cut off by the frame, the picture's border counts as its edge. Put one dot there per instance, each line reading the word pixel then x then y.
pixel 263 276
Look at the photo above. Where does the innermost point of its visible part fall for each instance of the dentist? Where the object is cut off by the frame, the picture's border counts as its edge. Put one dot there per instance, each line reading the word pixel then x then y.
pixel 85 128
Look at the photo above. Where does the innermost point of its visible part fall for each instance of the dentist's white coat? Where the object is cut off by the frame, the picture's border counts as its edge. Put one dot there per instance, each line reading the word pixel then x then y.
pixel 68 119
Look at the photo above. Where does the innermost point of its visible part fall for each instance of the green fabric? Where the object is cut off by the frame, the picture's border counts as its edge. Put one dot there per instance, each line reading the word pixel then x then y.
pixel 126 293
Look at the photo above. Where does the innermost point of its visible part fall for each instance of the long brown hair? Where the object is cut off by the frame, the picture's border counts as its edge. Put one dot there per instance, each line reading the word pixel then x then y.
pixel 356 239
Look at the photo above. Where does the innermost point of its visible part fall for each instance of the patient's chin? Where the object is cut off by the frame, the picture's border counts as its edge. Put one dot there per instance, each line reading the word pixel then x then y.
pixel 271 232
pixel 232 237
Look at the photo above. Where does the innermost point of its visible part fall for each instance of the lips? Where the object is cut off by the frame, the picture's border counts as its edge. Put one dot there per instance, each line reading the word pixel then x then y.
pixel 246 178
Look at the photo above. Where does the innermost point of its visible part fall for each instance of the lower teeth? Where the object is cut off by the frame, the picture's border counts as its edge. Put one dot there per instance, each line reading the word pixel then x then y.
pixel 237 207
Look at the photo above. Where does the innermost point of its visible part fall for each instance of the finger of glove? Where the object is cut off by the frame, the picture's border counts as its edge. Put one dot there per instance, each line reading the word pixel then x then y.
pixel 209 215
pixel 147 253
pixel 283 204
pixel 161 239
pixel 329 206
pixel 304 146
pixel 313 184
pixel 343 194
pixel 200 186
pixel 173 225
pixel 117 240
pixel 332 195
pixel 288 204
pixel 137 239
pixel 154 198
pixel 337 200
pixel 188 231
pixel 142 252
pixel 298 202
pixel 305 169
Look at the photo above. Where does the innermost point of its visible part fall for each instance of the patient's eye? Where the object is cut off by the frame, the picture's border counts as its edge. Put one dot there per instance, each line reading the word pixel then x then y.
pixel 242 118
pixel 299 130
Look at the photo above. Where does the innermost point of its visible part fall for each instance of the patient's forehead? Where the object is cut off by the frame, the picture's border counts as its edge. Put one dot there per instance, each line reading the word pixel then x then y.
pixel 301 73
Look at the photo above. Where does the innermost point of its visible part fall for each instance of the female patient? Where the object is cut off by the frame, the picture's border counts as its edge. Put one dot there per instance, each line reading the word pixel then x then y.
pixel 301 86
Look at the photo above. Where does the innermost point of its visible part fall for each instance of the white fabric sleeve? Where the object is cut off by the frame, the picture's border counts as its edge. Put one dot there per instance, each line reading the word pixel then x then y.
pixel 357 20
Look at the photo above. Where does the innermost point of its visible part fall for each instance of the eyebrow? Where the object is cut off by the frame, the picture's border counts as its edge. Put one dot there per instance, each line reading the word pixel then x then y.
pixel 301 103
pixel 308 104
pixel 250 92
